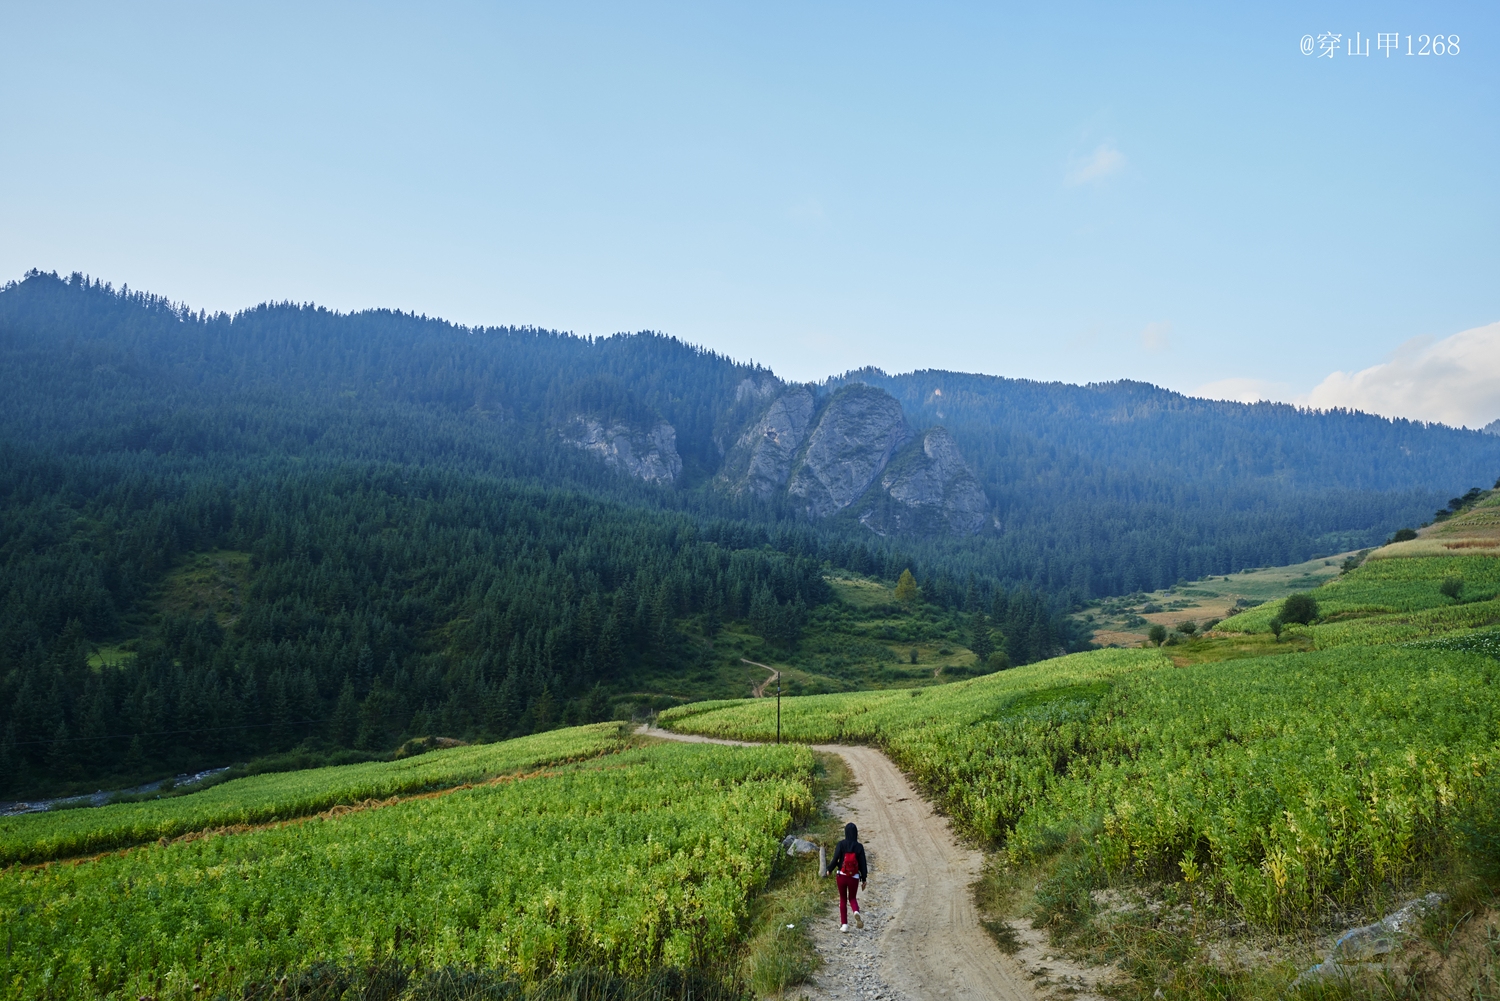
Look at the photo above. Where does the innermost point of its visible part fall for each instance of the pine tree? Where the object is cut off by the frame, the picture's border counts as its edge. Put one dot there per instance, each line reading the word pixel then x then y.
pixel 980 640
pixel 906 588
pixel 596 705
pixel 344 726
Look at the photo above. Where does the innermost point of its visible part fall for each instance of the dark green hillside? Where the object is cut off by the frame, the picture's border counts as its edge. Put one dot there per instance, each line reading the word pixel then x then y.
pixel 1117 487
pixel 349 606
pixel 223 536
pixel 162 616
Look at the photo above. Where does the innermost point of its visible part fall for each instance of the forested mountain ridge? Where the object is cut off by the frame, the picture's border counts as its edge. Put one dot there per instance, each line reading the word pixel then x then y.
pixel 487 531
pixel 1120 486
pixel 422 550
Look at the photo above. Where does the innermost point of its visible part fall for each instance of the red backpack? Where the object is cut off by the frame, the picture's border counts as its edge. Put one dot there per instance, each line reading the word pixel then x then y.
pixel 850 866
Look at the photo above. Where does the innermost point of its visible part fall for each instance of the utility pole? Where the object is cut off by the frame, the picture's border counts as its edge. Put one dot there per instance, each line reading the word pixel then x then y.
pixel 778 707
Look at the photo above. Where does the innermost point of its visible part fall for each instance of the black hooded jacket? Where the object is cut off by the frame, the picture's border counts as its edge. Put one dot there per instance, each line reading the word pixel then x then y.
pixel 846 846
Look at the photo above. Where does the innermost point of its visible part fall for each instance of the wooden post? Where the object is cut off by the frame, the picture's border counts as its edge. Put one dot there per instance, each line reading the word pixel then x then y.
pixel 822 861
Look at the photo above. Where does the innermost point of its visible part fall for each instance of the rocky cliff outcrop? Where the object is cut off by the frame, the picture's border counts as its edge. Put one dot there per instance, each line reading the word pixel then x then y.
pixel 761 460
pixel 854 438
pixel 856 454
pixel 927 487
pixel 648 453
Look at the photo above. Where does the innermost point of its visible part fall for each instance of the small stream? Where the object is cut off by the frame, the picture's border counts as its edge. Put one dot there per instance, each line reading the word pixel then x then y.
pixel 15 808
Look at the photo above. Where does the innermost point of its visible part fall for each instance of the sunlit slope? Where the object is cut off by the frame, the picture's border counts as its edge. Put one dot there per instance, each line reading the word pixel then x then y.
pixel 1280 781
pixel 1446 581
pixel 630 862
pixel 37 837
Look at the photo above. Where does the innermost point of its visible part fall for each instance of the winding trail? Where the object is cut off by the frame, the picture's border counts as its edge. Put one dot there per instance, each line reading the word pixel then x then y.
pixel 759 691
pixel 922 938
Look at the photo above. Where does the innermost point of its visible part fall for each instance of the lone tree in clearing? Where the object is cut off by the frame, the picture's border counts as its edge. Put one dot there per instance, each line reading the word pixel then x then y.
pixel 906 588
pixel 1157 634
pixel 980 640
pixel 1299 608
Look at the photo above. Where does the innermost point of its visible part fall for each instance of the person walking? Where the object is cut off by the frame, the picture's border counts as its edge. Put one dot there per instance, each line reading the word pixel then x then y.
pixel 849 863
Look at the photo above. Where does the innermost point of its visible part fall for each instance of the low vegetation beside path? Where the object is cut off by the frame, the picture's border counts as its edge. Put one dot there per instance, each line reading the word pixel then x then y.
pixel 628 864
pixel 259 799
pixel 1241 788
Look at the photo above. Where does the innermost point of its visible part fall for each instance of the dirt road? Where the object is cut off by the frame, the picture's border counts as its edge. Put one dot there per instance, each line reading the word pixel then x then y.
pixel 759 691
pixel 922 937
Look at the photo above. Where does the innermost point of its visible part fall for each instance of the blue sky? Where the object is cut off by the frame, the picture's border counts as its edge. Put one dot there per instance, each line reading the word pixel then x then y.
pixel 1172 193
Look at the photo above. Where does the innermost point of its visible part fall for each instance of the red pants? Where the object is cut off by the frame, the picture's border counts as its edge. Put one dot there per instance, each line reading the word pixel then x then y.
pixel 848 894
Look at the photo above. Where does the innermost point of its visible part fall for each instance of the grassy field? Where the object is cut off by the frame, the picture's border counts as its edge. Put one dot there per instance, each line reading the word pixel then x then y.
pixel 1405 591
pixel 1251 794
pixel 1247 795
pixel 863 640
pixel 1124 621
pixel 258 799
pixel 1240 771
pixel 517 877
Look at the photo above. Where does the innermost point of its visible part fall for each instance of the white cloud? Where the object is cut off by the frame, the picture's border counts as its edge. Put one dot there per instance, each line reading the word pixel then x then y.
pixel 1242 390
pixel 1103 161
pixel 1157 336
pixel 1455 380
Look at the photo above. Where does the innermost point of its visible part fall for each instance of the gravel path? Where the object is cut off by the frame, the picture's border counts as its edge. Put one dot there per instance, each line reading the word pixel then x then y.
pixel 922 937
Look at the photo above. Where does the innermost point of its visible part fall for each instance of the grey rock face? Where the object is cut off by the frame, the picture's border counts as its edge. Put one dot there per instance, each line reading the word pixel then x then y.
pixel 649 454
pixel 931 485
pixel 858 449
pixel 854 439
pixel 749 388
pixel 762 459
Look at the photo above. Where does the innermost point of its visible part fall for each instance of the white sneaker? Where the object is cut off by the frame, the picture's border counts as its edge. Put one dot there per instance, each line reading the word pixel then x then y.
pixel 844 929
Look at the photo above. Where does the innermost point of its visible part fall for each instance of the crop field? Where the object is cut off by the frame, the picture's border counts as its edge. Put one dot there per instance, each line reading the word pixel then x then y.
pixel 1383 587
pixel 639 860
pixel 986 748
pixel 1392 601
pixel 1124 620
pixel 1275 781
pixel 37 837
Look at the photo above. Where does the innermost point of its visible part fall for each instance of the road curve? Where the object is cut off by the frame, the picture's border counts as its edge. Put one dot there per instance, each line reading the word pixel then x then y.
pixel 929 942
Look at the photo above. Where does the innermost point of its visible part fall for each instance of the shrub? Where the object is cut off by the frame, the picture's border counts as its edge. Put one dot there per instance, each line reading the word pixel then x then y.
pixel 1299 608
pixel 1451 587
pixel 1403 535
pixel 1157 634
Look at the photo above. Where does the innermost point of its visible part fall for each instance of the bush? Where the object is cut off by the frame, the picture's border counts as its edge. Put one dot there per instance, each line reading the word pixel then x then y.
pixel 1452 587
pixel 1478 828
pixel 1403 535
pixel 1157 634
pixel 1299 608
pixel 997 661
